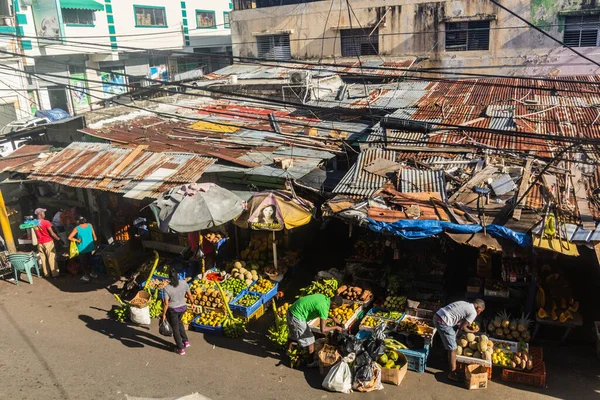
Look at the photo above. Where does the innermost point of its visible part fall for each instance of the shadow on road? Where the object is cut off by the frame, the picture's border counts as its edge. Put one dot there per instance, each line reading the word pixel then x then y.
pixel 128 335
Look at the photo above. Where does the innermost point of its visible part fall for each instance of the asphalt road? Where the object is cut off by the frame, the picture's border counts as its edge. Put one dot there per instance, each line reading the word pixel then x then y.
pixel 57 343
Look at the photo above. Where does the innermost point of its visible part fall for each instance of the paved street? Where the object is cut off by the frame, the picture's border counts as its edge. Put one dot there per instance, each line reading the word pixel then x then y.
pixel 58 344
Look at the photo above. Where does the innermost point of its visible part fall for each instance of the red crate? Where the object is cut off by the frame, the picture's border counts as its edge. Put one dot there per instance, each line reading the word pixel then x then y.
pixel 536 377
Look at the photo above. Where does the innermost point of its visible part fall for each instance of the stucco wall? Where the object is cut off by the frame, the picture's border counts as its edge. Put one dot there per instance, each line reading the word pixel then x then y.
pixel 416 28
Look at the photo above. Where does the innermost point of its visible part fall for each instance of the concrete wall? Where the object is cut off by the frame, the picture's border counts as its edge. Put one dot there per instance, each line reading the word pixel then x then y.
pixel 416 28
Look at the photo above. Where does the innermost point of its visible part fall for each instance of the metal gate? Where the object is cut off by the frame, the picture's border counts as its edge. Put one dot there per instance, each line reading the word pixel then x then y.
pixel 275 47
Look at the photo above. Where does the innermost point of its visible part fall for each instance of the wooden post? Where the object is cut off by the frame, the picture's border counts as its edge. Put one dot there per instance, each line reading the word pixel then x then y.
pixel 5 225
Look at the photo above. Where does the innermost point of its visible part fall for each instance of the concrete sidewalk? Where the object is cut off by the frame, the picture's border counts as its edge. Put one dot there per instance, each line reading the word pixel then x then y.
pixel 57 343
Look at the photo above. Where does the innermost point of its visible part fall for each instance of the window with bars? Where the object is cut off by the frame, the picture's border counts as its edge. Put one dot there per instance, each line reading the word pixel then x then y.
pixel 467 36
pixel 359 42
pixel 276 47
pixel 582 30
pixel 148 16
pixel 78 17
pixel 226 20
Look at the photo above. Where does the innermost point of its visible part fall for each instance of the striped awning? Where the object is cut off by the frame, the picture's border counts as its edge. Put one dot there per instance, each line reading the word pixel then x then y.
pixel 81 5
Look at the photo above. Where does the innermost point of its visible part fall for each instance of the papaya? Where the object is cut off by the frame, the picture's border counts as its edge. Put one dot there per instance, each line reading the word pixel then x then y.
pixel 562 318
pixel 553 315
pixel 542 314
pixel 390 364
pixel 392 355
pixel 574 306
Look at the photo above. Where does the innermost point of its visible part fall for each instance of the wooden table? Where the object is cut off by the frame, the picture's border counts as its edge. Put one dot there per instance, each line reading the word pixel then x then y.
pixel 567 326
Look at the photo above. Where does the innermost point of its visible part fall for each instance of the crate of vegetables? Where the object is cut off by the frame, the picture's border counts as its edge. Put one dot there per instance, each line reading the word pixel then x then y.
pixel 266 287
pixel 246 303
pixel 369 322
pixel 355 294
pixel 347 314
pixel 233 286
pixel 384 313
pixel 210 322
pixel 420 326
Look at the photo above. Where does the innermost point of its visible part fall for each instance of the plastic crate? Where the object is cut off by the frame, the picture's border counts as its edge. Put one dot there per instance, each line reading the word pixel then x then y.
pixel 245 312
pixel 536 377
pixel 373 310
pixel 266 298
pixel 417 359
pixel 257 314
pixel 211 330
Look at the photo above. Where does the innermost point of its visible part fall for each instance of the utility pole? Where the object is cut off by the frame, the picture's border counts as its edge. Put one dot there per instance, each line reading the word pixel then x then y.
pixel 5 225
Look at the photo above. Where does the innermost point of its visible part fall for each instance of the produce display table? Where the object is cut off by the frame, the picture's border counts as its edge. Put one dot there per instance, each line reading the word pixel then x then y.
pixel 567 326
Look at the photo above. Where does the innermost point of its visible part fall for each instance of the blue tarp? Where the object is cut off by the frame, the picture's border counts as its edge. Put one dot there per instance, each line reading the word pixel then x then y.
pixel 56 114
pixel 417 229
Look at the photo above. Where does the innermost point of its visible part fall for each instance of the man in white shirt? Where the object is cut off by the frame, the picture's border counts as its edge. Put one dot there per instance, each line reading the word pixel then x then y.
pixel 458 314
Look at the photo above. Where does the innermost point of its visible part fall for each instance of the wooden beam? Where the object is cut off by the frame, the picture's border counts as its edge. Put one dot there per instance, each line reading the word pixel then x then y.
pixel 474 181
pixel 467 212
pixel 585 214
pixel 523 188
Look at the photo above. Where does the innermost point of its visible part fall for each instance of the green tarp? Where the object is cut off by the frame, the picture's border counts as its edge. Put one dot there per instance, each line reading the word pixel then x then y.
pixel 81 5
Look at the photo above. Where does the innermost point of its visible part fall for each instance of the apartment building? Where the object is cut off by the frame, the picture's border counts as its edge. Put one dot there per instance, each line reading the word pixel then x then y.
pixel 88 43
pixel 451 34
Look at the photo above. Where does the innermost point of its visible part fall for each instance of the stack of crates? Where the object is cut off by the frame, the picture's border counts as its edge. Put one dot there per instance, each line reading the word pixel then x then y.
pixel 116 258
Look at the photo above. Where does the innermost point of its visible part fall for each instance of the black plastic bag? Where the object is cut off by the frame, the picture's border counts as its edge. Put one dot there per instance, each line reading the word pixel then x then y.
pixel 374 347
pixel 362 359
pixel 165 328
pixel 348 344
pixel 364 374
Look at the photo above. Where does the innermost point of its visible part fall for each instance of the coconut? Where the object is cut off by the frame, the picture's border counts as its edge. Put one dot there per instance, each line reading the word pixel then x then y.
pixel 459 351
pixel 477 354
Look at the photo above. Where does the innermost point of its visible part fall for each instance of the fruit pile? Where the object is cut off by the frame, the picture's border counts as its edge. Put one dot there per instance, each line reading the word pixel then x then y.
pixel 475 346
pixel 344 313
pixel 415 325
pixel 282 311
pixel 393 344
pixel 214 276
pixel 394 303
pixel 262 286
pixel 213 237
pixel 157 283
pixel 120 313
pixel 162 271
pixel 234 327
pixel 205 294
pixel 327 287
pixel 156 306
pixel 243 274
pixel 187 317
pixel 387 314
pixel 389 360
pixel 211 318
pixel 248 300
pixel 354 293
pixel 234 286
pixel 370 321
pixel 502 327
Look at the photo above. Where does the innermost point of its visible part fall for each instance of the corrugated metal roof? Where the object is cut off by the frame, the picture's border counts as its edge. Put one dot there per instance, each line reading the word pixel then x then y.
pixel 24 159
pixel 417 180
pixel 358 181
pixel 105 167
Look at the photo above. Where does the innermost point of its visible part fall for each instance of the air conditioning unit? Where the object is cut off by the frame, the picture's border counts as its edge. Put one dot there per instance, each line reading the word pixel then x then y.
pixel 299 77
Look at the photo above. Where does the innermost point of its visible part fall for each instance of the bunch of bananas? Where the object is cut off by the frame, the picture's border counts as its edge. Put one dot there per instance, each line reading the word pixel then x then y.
pixel 278 334
pixel 234 327
pixel 294 356
pixel 156 309
pixel 328 287
pixel 121 312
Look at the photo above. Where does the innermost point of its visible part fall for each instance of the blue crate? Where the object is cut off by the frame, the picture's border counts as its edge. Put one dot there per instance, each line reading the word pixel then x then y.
pixel 270 294
pixel 211 330
pixel 417 359
pixel 245 312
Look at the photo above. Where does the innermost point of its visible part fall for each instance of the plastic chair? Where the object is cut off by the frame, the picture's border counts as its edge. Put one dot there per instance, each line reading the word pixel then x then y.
pixel 24 262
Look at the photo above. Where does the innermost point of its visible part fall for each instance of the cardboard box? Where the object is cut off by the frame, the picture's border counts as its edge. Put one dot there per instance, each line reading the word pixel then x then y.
pixel 476 377
pixel 395 376
pixel 328 356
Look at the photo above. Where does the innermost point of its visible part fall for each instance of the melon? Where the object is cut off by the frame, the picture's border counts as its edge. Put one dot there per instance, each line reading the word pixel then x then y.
pixel 237 265
pixel 470 337
pixel 459 351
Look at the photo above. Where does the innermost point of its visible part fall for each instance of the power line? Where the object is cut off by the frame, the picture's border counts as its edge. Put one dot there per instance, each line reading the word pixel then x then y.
pixel 257 60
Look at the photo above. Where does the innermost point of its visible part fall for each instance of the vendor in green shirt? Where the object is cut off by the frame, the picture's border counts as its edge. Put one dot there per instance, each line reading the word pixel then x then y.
pixel 304 310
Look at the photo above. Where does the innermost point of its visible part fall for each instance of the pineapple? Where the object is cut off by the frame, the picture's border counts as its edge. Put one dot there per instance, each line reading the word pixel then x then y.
pixel 523 323
pixel 513 325
pixel 491 328
pixel 505 318
pixel 497 322
pixel 499 332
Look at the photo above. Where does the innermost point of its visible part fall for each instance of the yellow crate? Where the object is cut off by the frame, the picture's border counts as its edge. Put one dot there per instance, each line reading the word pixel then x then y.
pixel 257 314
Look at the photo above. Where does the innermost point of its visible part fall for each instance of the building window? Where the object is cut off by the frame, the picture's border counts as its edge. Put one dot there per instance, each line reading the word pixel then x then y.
pixel 6 8
pixel 276 47
pixel 147 16
pixel 78 17
pixel 467 36
pixel 582 31
pixel 359 42
pixel 29 71
pixel 226 20
pixel 206 19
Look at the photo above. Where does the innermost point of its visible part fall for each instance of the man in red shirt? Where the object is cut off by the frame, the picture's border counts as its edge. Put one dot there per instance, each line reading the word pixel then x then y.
pixel 45 237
